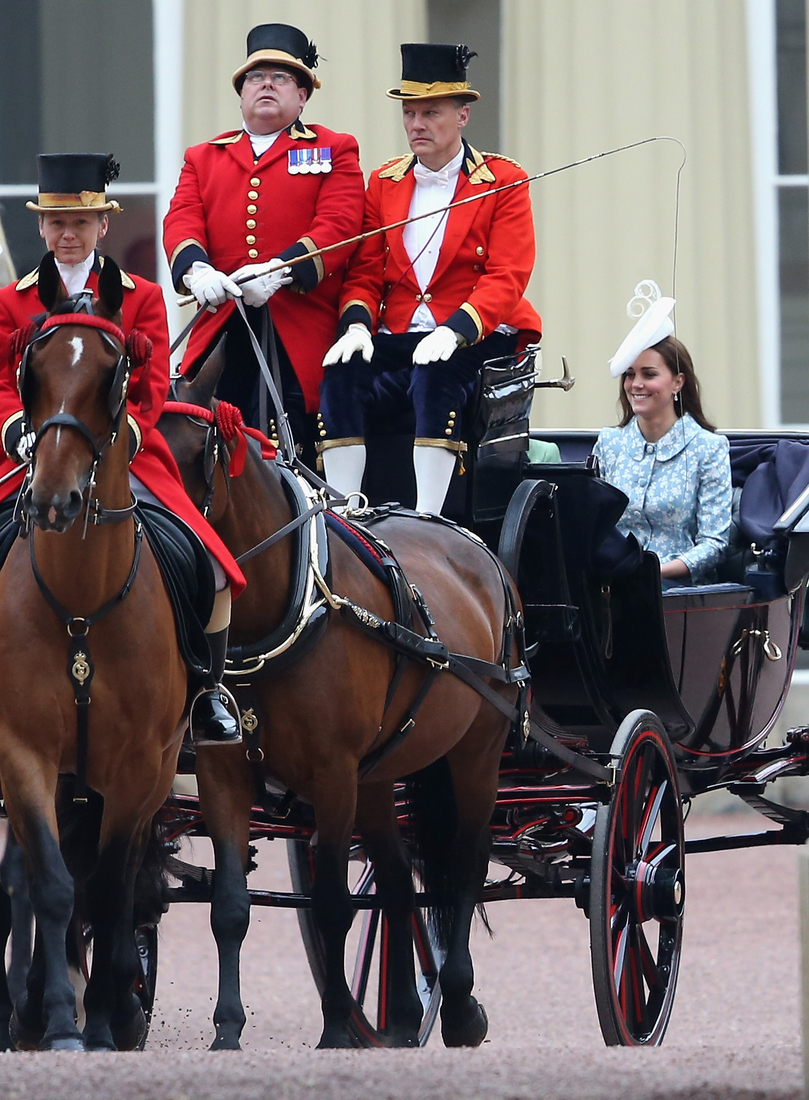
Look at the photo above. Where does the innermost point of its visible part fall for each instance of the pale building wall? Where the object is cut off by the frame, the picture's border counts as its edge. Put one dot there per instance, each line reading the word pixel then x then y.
pixel 581 76
pixel 360 39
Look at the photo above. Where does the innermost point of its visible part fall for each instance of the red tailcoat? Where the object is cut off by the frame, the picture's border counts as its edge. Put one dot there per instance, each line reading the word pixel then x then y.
pixel 231 209
pixel 154 464
pixel 484 265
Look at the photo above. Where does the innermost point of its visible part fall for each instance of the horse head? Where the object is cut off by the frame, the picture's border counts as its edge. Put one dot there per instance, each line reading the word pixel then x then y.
pixel 72 380
pixel 195 440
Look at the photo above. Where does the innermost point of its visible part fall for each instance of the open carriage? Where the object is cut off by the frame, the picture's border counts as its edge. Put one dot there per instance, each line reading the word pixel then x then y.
pixel 642 700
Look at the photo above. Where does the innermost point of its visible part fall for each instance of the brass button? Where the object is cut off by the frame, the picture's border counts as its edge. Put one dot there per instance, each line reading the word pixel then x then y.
pixel 418 297
pixel 476 267
pixel 251 223
pixel 480 250
pixel 452 412
pixel 255 181
pixel 252 194
pixel 250 238
pixel 448 431
pixel 428 297
pixel 323 434
pixel 252 209
pixel 252 253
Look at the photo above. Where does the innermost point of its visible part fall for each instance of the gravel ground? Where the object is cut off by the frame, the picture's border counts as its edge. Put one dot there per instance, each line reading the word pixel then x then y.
pixel 735 1030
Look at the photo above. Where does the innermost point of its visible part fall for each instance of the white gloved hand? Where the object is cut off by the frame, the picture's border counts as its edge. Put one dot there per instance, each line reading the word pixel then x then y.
pixel 210 287
pixel 258 291
pixel 24 445
pixel 356 338
pixel 436 345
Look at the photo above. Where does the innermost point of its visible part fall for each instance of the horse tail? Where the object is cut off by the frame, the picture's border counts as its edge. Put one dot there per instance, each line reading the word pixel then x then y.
pixel 434 823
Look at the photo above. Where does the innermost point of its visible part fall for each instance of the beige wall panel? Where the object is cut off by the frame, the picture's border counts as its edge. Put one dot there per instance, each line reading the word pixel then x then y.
pixel 581 76
pixel 360 39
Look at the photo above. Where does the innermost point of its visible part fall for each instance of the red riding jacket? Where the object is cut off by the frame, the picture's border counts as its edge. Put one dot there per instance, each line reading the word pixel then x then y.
pixel 484 265
pixel 231 209
pixel 154 464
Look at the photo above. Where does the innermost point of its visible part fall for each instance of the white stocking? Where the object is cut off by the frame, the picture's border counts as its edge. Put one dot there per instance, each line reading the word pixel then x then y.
pixel 434 467
pixel 343 468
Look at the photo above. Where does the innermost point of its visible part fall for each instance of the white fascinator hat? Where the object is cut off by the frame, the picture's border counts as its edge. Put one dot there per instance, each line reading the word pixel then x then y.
pixel 654 323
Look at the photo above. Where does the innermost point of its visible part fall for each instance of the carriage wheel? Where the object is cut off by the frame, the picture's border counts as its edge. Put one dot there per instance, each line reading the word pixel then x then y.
pixel 369 938
pixel 637 888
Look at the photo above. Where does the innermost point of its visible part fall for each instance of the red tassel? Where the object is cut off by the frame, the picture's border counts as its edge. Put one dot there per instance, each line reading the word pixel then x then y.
pixel 20 339
pixel 139 348
pixel 231 424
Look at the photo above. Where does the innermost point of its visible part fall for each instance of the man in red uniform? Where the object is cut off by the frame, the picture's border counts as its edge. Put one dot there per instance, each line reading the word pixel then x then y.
pixel 274 190
pixel 73 218
pixel 441 295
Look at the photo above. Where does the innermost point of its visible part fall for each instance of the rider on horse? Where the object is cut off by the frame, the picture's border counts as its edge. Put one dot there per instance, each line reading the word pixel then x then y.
pixel 73 217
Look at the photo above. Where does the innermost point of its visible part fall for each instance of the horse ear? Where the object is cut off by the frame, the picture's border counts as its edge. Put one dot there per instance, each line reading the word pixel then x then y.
pixel 49 282
pixel 201 391
pixel 110 287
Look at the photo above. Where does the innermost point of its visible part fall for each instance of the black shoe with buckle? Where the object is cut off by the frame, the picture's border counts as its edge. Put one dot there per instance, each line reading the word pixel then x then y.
pixel 211 721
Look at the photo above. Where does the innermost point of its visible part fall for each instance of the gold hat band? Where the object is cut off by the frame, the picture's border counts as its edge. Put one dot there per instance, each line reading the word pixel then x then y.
pixel 438 87
pixel 80 199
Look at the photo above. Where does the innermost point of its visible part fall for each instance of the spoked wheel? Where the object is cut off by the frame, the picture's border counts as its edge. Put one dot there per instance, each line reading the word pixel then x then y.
pixel 637 888
pixel 368 940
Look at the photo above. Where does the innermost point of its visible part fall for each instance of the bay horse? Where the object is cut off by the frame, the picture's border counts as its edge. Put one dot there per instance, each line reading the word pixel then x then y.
pixel 85 627
pixel 322 714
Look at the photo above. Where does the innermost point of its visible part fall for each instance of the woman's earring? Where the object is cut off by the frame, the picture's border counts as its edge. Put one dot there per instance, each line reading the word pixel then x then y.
pixel 677 398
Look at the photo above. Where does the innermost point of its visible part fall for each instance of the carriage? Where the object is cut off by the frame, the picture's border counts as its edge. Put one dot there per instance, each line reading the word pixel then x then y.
pixel 642 700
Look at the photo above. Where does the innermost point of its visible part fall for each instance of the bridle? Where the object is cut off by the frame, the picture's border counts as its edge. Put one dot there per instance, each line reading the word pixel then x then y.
pixel 112 336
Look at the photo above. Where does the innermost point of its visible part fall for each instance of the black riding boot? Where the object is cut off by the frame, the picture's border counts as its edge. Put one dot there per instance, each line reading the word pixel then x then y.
pixel 211 721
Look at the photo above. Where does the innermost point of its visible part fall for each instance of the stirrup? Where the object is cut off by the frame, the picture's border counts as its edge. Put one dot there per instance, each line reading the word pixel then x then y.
pixel 211 721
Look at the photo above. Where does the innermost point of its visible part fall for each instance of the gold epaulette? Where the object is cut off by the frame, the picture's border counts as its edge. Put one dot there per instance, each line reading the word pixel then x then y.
pixel 227 139
pixel 397 168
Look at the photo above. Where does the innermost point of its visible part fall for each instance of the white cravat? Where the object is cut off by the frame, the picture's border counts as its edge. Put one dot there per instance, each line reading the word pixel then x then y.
pixel 75 276
pixel 261 142
pixel 422 239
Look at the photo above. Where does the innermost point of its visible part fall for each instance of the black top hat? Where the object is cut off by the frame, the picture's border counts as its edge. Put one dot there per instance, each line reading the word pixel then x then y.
pixel 431 71
pixel 282 44
pixel 75 181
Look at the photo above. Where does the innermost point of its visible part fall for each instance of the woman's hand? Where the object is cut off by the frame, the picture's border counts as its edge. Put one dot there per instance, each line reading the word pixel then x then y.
pixel 674 570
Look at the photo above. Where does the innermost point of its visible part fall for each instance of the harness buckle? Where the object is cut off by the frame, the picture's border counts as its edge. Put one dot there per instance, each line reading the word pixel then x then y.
pixel 78 633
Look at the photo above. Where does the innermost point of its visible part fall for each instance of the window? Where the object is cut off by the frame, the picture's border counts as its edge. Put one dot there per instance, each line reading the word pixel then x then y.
pixel 79 78
pixel 777 60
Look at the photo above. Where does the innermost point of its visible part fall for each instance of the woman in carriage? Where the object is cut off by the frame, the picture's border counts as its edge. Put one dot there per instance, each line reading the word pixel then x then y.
pixel 73 217
pixel 664 454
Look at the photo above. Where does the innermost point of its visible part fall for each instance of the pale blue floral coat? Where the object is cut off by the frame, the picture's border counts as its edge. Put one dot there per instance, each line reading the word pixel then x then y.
pixel 679 491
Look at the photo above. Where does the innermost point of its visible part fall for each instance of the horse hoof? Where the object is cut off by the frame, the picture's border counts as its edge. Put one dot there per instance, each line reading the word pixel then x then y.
pixel 65 1044
pixel 469 1034
pixel 131 1035
pixel 223 1042
pixel 22 1036
pixel 335 1039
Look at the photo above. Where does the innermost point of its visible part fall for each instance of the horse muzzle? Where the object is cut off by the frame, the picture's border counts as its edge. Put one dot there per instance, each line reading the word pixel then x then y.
pixel 54 510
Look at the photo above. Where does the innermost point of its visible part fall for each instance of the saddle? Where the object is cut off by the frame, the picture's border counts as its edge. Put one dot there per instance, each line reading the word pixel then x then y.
pixel 189 579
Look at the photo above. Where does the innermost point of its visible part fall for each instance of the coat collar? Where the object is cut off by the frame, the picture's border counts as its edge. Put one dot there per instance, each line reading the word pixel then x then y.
pixel 32 278
pixel 473 166
pixel 672 443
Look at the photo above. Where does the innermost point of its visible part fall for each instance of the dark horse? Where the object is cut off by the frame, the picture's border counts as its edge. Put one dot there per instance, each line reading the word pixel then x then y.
pixel 321 714
pixel 82 604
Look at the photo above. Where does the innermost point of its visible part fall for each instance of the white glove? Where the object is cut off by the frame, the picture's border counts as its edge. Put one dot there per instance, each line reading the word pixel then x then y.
pixel 436 345
pixel 356 338
pixel 210 287
pixel 258 291
pixel 24 445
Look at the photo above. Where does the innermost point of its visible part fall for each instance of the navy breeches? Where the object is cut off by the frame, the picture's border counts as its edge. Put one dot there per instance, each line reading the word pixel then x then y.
pixel 391 383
